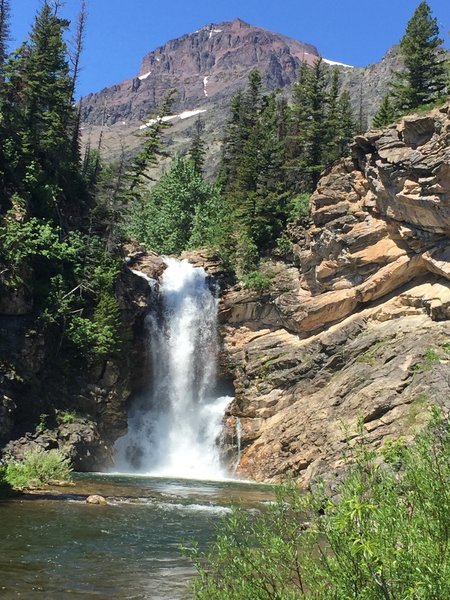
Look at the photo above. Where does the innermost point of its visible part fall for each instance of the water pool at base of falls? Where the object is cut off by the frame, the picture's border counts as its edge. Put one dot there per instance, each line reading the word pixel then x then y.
pixel 58 547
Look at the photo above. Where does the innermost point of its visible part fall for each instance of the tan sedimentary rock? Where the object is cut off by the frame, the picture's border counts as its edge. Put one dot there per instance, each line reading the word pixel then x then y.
pixel 360 328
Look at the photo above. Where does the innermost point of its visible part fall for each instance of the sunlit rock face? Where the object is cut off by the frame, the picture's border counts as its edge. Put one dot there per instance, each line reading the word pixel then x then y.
pixel 358 326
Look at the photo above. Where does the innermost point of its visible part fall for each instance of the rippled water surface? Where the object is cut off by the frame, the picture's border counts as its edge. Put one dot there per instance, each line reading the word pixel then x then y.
pixel 58 547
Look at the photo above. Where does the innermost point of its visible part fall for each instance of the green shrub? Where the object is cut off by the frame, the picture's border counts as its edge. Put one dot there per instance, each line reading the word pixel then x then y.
pixel 257 281
pixel 299 207
pixel 42 424
pixel 386 536
pixel 38 467
pixel 284 244
pixel 66 416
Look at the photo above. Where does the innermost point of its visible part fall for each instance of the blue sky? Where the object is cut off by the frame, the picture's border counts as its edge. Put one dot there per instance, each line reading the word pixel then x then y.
pixel 120 32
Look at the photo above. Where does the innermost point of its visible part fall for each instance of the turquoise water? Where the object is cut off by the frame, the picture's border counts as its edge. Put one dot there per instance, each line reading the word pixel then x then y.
pixel 58 547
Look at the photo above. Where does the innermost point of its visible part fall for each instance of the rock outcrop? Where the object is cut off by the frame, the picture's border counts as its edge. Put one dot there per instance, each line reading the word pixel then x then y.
pixel 359 326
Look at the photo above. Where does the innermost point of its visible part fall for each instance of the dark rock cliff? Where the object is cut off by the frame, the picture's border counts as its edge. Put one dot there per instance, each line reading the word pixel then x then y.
pixel 46 401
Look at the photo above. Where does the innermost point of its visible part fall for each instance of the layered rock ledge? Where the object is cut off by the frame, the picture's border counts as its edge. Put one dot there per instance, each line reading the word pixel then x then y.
pixel 358 326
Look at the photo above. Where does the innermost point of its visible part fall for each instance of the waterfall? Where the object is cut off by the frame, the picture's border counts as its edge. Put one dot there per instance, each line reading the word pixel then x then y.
pixel 174 427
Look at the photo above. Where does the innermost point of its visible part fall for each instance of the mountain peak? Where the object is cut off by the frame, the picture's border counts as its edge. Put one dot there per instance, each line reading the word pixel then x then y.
pixel 204 66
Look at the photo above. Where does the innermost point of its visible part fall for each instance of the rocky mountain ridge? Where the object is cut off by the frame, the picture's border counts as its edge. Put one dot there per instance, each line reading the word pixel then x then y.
pixel 206 68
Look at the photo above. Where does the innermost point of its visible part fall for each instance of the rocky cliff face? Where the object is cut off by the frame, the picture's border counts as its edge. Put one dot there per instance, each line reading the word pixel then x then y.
pixel 358 326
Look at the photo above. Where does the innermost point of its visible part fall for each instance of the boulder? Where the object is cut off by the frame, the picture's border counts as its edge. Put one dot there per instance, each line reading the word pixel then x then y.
pixel 96 499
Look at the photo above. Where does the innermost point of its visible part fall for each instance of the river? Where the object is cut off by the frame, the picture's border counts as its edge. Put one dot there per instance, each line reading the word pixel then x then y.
pixel 56 546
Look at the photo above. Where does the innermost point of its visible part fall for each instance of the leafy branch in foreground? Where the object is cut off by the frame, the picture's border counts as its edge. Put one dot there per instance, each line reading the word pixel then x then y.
pixel 386 537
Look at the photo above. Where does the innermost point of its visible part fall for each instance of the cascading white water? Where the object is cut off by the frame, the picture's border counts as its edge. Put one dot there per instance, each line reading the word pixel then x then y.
pixel 173 429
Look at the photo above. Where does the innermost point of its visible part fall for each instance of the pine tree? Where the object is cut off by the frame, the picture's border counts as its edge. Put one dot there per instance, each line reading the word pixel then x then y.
pixel 362 115
pixel 386 114
pixel 310 124
pixel 4 34
pixel 48 87
pixel 232 144
pixel 423 80
pixel 151 149
pixel 332 142
pixel 197 150
pixel 347 127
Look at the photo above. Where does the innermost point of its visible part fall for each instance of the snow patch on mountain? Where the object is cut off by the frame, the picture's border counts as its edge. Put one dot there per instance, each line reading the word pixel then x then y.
pixel 335 63
pixel 205 83
pixel 187 114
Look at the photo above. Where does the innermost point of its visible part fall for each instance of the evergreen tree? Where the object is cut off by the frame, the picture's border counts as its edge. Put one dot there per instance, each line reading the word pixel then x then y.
pixel 4 34
pixel 164 219
pixel 332 143
pixel 423 80
pixel 48 86
pixel 386 114
pixel 311 122
pixel 232 144
pixel 197 150
pixel 362 115
pixel 315 126
pixel 151 149
pixel 347 127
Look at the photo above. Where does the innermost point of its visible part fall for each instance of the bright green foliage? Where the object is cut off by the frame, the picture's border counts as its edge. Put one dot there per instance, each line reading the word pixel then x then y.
pixel 20 240
pixel 321 125
pixel 66 416
pixel 255 280
pixel 299 207
pixel 179 212
pixel 386 114
pixel 38 468
pixel 74 282
pixel 98 335
pixel 424 78
pixel 385 537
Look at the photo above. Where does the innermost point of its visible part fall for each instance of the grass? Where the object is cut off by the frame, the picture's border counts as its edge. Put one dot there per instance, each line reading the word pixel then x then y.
pixel 430 357
pixel 370 356
pixel 416 408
